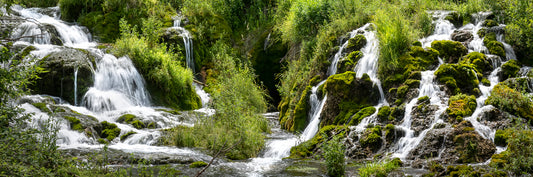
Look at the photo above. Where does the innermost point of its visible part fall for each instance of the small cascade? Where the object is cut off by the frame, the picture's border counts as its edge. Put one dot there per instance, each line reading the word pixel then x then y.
pixel 187 41
pixel 477 44
pixel 117 85
pixel 443 28
pixel 76 86
pixel 314 113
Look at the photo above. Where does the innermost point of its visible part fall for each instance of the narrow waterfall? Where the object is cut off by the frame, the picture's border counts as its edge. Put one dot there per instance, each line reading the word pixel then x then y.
pixel 76 87
pixel 187 41
pixel 314 113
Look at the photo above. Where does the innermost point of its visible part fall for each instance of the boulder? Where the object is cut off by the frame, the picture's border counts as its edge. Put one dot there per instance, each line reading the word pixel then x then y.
pixel 60 75
pixel 449 51
pixel 462 36
pixel 346 95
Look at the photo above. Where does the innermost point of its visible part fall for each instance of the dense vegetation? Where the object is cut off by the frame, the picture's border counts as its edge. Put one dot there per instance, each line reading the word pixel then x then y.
pixel 259 55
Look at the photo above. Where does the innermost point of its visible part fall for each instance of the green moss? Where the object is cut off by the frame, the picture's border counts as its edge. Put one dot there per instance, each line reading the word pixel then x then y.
pixel 417 43
pixel 151 125
pixel 127 118
pixel 412 83
pixel 349 62
pixel 301 111
pixel 495 47
pixel 402 91
pixel 447 73
pixel 498 160
pixel 423 99
pixel 479 60
pixel 510 69
pixel 75 123
pixel 365 112
pixel 461 105
pixel 109 130
pixel 43 107
pixel 485 81
pixel 125 136
pixel 389 132
pixel 102 141
pixel 424 58
pixel 356 43
pixel 512 101
pixel 198 164
pixel 500 138
pixel 373 139
pixel 307 148
pixel 384 113
pixel 450 51
pixel 138 124
pixel 490 23
pixel 314 81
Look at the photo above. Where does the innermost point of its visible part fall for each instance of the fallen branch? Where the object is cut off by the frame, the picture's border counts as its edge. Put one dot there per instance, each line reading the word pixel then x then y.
pixel 220 151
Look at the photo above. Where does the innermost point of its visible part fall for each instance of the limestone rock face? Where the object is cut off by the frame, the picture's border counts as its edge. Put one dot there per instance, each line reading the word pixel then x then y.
pixel 60 75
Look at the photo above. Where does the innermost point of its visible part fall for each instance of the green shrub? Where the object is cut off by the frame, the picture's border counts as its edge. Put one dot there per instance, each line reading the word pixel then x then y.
pixel 512 101
pixel 519 28
pixel 334 156
pixel 304 19
pixel 37 3
pixel 378 168
pixel 518 153
pixel 510 69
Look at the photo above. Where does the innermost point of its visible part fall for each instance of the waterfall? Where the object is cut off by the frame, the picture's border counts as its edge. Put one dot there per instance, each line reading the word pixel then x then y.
pixel 315 111
pixel 187 41
pixel 117 85
pixel 76 86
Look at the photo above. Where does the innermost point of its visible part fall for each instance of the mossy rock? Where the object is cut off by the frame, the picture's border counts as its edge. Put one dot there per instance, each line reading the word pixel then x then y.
pixel 500 139
pixel 132 120
pixel 346 94
pixel 467 80
pixel 75 124
pixel 490 23
pixel 390 132
pixel 125 136
pixel 449 51
pixel 426 58
pixel 461 105
pixel 349 62
pixel 470 146
pixel 417 43
pixel 480 62
pixel 510 69
pixel 365 112
pixel 198 164
pixel 43 107
pixel 307 148
pixel 495 47
pixel 412 83
pixel 384 113
pixel 109 131
pixel 301 111
pixel 372 139
pixel 356 43
pixel 455 18
pixel 59 78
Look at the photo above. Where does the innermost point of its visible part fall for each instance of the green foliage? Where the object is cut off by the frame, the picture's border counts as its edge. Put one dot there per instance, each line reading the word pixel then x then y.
pixel 171 83
pixel 449 51
pixel 512 101
pixel 304 19
pixel 198 164
pixel 519 28
pixel 325 133
pixel 237 122
pixel 360 115
pixel 518 153
pixel 37 3
pixel 334 155
pixel 380 169
pixel 500 138
pixel 461 105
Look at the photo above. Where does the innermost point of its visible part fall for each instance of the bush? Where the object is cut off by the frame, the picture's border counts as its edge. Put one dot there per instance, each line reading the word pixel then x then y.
pixel 512 101
pixel 519 29
pixel 304 19
pixel 334 156
pixel 379 168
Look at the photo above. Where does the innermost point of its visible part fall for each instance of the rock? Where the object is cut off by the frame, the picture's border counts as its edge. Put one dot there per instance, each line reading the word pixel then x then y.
pixel 346 95
pixel 462 36
pixel 460 106
pixel 449 51
pixel 480 61
pixel 422 115
pixel 59 78
pixel 509 70
pixel 455 18
pixel 495 47
pixel 355 43
pixel 432 145
pixel 458 78
pixel 470 146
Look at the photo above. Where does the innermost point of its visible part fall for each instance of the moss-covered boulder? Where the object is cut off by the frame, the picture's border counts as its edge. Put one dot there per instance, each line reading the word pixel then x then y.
pixel 462 36
pixel 470 146
pixel 425 59
pixel 346 95
pixel 108 131
pixel 348 63
pixel 132 120
pixel 372 139
pixel 449 51
pixel 461 105
pixel 356 43
pixel 510 69
pixel 495 47
pixel 61 67
pixel 357 117
pixel 455 18
pixel 490 23
pixel 480 62
pixel 458 78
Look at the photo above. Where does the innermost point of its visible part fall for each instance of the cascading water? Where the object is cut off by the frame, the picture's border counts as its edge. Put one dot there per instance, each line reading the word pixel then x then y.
pixel 118 90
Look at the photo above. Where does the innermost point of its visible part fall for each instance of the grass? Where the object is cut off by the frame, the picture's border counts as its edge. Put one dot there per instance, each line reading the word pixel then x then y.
pixel 379 168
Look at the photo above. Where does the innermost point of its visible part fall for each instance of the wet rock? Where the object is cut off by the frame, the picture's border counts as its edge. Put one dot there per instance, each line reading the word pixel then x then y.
pixel 449 51
pixel 458 78
pixel 462 36
pixel 356 43
pixel 433 144
pixel 509 69
pixel 346 95
pixel 455 18
pixel 422 115
pixel 59 78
